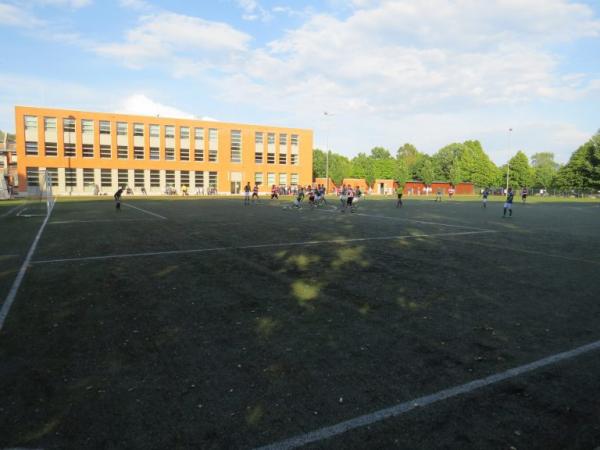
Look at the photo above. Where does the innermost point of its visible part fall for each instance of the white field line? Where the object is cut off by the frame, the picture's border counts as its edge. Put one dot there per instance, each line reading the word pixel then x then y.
pixel 405 220
pixel 144 210
pixel 17 283
pixel 244 247
pixel 397 410
pixel 531 252
pixel 7 213
pixel 61 222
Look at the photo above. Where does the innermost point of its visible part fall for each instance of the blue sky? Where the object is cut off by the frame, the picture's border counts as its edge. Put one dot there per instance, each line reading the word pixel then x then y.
pixel 431 72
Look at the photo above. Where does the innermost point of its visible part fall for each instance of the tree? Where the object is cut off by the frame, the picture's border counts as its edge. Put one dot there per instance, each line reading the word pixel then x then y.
pixel 362 167
pixel 477 167
pixel 380 153
pixel 339 167
pixel 520 173
pixel 444 159
pixel 319 162
pixel 427 172
pixel 455 176
pixel 411 158
pixel 544 168
pixel 583 169
pixel 401 174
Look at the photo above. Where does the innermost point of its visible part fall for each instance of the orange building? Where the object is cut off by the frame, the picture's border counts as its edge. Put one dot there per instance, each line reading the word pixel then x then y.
pixel 87 152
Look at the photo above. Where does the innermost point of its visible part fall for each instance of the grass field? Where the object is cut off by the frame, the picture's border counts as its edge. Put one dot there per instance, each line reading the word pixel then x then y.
pixel 201 323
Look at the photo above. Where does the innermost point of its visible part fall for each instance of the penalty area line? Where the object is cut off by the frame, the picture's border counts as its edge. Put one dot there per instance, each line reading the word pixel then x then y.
pixel 402 408
pixel 144 210
pixel 247 247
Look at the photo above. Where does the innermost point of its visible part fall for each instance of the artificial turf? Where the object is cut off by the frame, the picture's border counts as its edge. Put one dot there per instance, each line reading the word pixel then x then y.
pixel 240 346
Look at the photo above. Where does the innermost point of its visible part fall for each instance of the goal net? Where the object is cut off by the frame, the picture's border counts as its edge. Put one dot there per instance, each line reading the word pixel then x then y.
pixel 40 199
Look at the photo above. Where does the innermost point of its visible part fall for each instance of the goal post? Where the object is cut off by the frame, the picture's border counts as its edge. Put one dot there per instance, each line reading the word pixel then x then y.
pixel 40 197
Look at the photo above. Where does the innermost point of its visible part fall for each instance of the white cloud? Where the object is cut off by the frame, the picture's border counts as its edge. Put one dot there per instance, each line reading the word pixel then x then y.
pixel 12 15
pixel 66 3
pixel 253 10
pixel 140 104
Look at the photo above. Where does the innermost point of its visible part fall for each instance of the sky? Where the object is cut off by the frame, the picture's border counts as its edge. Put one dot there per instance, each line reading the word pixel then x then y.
pixel 427 72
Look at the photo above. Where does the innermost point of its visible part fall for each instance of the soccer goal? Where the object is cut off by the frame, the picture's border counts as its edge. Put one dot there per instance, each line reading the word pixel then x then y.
pixel 40 198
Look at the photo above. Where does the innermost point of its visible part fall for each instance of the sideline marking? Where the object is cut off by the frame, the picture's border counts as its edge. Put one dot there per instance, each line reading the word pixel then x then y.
pixel 407 220
pixel 397 410
pixel 532 252
pixel 144 210
pixel 61 222
pixel 7 213
pixel 15 287
pixel 244 247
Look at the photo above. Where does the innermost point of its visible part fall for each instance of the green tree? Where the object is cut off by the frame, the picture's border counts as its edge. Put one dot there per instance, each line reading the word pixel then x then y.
pixel 339 167
pixel 444 159
pixel 401 174
pixel 380 153
pixel 544 168
pixel 319 159
pixel 411 158
pixel 455 175
pixel 427 172
pixel 477 167
pixel 362 167
pixel 520 173
pixel 583 169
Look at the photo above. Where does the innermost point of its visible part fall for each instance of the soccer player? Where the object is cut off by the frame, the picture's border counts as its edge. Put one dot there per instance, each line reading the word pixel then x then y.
pixel 508 204
pixel 349 198
pixel 274 193
pixel 438 195
pixel 399 193
pixel 247 194
pixel 357 198
pixel 118 198
pixel 524 193
pixel 485 194
pixel 299 198
pixel 255 193
pixel 450 192
pixel 311 196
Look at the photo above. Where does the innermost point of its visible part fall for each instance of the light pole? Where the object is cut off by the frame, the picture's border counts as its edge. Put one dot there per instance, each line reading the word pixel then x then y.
pixel 327 114
pixel 508 164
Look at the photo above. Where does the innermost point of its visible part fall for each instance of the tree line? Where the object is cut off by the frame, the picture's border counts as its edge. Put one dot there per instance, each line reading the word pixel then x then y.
pixel 467 162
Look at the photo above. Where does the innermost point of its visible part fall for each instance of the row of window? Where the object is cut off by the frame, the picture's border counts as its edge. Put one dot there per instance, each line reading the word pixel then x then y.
pixel 122 128
pixel 139 177
pixel 88 151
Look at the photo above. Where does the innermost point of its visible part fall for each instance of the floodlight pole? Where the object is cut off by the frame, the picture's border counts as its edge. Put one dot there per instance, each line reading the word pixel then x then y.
pixel 327 114
pixel 508 164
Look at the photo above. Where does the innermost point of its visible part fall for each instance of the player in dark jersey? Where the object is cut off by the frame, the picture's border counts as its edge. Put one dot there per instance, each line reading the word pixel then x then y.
pixel 118 198
pixel 509 201
pixel 485 194
pixel 524 193
pixel 399 192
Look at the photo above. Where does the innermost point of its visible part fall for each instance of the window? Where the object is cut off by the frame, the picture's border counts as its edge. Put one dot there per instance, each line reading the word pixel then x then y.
pixel 50 123
pixel 138 129
pixel 283 179
pixel 155 178
pixel 138 152
pixel 88 177
pixel 271 138
pixel 184 132
pixel 199 144
pixel 123 177
pixel 212 180
pixel 31 123
pixel 294 179
pixel 294 140
pixel 258 157
pixel 258 138
pixel 258 178
pixel 270 178
pixel 87 126
pixel 169 131
pixel 70 177
pixel 69 149
pixel 270 158
pixel 31 148
pixel 236 146
pixel 199 179
pixel 105 177
pixel 33 176
pixel 122 152
pixel 170 154
pixel 138 178
pixel 154 153
pixel 294 159
pixel 170 178
pixel 185 178
pixel 88 150
pixel 283 140
pixel 121 128
pixel 105 151
pixel 258 152
pixel 51 148
pixel 69 125
pixel 213 144
pixel 282 157
pixel 184 154
pixel 271 148
pixel 154 130
pixel 52 175
pixel 104 127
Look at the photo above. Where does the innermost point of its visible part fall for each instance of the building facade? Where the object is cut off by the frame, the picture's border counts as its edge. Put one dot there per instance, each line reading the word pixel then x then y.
pixel 89 152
